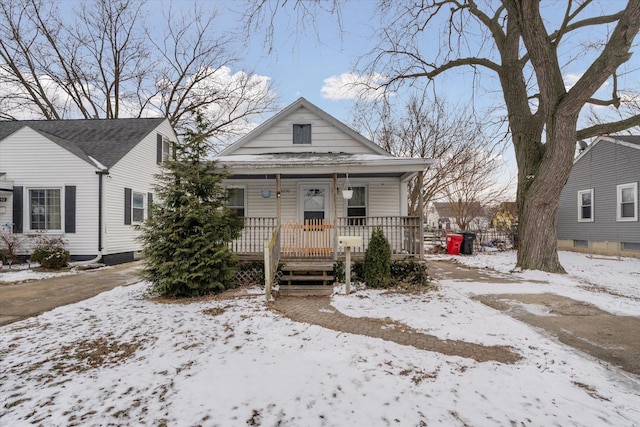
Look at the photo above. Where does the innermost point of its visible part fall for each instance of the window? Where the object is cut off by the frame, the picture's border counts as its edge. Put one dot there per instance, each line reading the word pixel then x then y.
pixel 585 205
pixel 45 209
pixel 302 134
pixel 627 208
pixel 166 149
pixel 137 206
pixel 357 206
pixel 580 243
pixel 236 201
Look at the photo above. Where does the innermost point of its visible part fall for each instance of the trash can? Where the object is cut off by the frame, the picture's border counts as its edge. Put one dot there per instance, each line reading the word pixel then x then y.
pixel 467 243
pixel 454 241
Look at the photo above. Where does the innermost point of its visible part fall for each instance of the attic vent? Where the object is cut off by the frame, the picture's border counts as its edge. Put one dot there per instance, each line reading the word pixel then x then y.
pixel 302 134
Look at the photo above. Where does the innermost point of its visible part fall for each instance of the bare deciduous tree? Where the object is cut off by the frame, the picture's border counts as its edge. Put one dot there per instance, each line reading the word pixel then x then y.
pixel 465 146
pixel 104 61
pixel 526 49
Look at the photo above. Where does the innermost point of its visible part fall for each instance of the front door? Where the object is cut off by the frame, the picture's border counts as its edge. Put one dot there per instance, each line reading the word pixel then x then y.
pixel 314 202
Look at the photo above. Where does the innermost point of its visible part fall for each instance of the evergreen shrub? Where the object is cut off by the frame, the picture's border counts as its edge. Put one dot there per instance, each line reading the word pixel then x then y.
pixel 377 261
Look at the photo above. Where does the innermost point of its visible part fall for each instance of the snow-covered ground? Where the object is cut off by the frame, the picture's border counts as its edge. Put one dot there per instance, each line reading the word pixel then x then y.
pixel 122 359
pixel 20 274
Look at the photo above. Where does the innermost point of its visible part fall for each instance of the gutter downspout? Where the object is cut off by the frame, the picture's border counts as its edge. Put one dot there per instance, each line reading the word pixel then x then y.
pixel 101 174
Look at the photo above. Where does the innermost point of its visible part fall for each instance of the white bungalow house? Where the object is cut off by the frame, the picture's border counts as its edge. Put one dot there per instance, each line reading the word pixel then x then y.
pixel 87 181
pixel 304 178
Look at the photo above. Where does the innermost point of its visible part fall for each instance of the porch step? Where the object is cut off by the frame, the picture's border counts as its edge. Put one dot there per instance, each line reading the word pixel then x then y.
pixel 308 273
pixel 305 290
pixel 307 266
pixel 306 278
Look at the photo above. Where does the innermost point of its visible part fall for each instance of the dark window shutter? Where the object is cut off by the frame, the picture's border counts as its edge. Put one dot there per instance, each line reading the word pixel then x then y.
pixel 17 209
pixel 159 149
pixel 127 206
pixel 149 204
pixel 70 209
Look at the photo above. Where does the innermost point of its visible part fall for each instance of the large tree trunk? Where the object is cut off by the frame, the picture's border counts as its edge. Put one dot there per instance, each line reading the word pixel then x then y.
pixel 538 241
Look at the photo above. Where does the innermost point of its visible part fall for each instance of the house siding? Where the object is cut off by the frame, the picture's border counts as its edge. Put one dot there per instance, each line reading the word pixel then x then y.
pixel 325 137
pixel 18 159
pixel 135 171
pixel 602 168
pixel 383 196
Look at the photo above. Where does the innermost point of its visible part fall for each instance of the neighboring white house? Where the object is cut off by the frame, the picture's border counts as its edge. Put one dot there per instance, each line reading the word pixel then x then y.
pixel 442 215
pixel 88 181
pixel 292 171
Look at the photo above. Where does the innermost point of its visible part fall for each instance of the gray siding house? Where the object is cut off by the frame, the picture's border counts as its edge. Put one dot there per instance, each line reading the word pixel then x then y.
pixel 598 211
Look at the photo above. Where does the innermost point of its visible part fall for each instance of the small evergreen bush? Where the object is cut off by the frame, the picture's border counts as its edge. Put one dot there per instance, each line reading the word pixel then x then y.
pixel 49 252
pixel 409 274
pixel 377 261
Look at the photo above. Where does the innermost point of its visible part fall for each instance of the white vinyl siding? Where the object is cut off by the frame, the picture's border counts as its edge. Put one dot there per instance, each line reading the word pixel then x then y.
pixel 383 197
pixel 52 168
pixel 325 137
pixel 627 202
pixel 585 205
pixel 136 170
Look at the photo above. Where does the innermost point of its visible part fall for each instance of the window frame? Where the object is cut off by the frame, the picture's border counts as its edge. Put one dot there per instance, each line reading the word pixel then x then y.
pixel 306 136
pixel 29 209
pixel 134 209
pixel 619 190
pixel 581 218
pixel 357 219
pixel 234 208
pixel 166 149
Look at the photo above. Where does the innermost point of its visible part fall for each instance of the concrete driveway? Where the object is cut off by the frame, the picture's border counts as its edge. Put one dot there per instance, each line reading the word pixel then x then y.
pixel 23 300
pixel 614 339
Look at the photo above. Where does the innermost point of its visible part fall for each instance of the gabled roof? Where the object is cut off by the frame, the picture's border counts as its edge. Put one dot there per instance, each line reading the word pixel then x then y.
pixel 299 103
pixel 631 141
pixel 105 140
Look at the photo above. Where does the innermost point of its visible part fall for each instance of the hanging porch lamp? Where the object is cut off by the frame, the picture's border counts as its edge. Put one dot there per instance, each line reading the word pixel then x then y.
pixel 347 190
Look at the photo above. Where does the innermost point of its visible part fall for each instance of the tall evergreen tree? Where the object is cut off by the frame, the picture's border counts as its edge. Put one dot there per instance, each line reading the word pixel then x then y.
pixel 186 237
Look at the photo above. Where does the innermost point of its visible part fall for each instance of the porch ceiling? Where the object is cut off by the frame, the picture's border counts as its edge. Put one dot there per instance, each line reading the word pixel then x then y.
pixel 319 164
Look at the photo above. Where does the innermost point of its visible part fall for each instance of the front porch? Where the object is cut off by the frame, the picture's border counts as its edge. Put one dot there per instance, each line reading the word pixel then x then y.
pixel 318 239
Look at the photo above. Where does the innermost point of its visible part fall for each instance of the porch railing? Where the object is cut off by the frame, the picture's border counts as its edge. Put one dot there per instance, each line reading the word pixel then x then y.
pixel 404 233
pixel 316 238
pixel 256 230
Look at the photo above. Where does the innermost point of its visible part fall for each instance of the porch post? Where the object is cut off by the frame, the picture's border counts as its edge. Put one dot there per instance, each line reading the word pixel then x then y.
pixel 278 201
pixel 421 225
pixel 335 216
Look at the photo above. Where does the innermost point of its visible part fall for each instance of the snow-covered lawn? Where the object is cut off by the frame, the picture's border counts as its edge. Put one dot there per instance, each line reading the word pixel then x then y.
pixel 122 359
pixel 19 273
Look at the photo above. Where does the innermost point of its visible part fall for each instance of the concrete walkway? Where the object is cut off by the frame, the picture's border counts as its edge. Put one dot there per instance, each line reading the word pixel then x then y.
pixel 23 300
pixel 318 311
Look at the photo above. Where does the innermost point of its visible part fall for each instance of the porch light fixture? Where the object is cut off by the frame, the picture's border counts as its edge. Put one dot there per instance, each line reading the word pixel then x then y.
pixel 347 190
pixel 266 192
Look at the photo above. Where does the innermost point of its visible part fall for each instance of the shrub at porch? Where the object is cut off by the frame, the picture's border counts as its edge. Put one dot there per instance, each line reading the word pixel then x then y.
pixel 186 239
pixel 409 274
pixel 49 252
pixel 377 261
